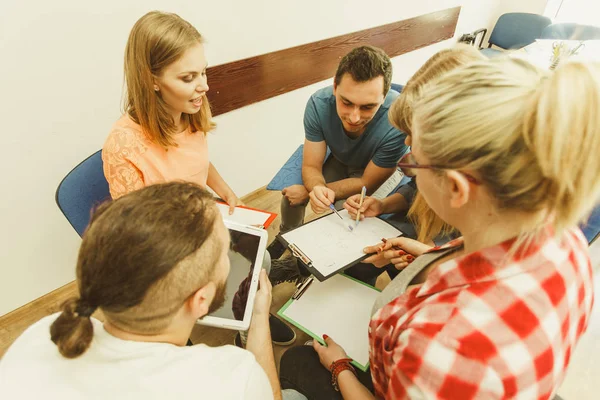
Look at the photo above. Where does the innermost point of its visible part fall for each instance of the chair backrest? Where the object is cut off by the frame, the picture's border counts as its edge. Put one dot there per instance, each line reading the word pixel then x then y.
pixel 591 229
pixel 397 87
pixel 571 31
pixel 517 30
pixel 81 190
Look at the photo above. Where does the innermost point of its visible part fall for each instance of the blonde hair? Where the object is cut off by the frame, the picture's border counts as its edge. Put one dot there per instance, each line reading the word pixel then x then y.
pixel 156 41
pixel 428 224
pixel 533 138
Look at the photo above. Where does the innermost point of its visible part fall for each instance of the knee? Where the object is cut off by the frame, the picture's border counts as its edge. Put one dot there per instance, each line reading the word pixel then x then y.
pixel 298 356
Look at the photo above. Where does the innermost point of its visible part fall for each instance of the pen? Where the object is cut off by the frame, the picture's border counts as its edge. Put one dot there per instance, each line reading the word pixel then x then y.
pixel 363 192
pixel 384 240
pixel 338 214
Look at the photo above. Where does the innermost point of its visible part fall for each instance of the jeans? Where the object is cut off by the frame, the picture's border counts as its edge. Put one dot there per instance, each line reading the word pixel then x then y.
pixel 301 370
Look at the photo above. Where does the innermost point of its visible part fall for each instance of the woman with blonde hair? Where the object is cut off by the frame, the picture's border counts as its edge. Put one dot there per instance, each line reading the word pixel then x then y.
pixel 162 135
pixel 507 154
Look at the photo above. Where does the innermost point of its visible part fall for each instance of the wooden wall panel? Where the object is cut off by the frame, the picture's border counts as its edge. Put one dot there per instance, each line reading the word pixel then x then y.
pixel 239 83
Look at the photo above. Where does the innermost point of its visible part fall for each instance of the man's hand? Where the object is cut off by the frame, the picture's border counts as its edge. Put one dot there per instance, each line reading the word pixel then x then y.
pixel 296 194
pixel 371 206
pixel 262 300
pixel 320 199
pixel 329 353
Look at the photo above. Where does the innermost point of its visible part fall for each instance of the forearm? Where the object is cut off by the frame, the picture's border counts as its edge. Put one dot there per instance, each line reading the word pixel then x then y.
pixel 259 344
pixel 394 203
pixel 217 183
pixel 312 177
pixel 347 187
pixel 351 388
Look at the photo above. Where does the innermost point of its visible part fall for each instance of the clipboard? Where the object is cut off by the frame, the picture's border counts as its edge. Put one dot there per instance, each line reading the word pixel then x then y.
pixel 323 242
pixel 312 313
pixel 247 216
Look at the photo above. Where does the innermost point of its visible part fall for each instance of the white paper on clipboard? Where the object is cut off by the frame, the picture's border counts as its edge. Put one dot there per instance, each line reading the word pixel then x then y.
pixel 329 244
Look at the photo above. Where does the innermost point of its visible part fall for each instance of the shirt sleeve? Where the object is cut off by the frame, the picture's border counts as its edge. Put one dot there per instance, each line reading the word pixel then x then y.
pixel 258 386
pixel 120 172
pixel 408 191
pixel 431 367
pixel 313 130
pixel 390 151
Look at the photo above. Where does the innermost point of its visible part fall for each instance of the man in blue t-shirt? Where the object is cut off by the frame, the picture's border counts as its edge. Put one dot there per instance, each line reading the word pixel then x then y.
pixel 351 118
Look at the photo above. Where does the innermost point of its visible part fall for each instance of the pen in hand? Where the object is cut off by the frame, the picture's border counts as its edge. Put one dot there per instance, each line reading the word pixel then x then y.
pixel 384 240
pixel 363 192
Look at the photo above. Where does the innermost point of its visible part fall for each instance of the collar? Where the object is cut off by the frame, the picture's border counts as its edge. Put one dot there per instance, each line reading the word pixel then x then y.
pixel 492 263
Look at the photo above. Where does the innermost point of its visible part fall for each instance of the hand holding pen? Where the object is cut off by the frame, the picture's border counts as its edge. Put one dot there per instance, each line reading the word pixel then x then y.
pixel 371 207
pixel 363 193
pixel 321 197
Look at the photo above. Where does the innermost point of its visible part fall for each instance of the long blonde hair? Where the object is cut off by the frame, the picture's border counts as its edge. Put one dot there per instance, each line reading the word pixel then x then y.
pixel 532 137
pixel 156 41
pixel 428 224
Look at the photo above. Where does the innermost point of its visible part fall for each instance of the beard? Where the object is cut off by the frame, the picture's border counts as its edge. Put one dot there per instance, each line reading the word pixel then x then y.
pixel 219 298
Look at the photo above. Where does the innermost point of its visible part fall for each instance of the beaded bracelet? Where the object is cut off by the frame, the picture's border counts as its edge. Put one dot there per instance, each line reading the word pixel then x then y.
pixel 337 367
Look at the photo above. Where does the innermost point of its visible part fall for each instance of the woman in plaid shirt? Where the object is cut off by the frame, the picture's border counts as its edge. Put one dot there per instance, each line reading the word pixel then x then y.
pixel 507 154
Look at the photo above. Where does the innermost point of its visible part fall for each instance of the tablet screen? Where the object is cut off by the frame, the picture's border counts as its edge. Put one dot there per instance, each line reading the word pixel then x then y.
pixel 242 255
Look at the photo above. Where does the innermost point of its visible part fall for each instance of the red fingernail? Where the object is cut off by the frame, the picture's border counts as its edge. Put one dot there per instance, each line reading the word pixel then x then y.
pixel 401 253
pixel 325 337
pixel 410 258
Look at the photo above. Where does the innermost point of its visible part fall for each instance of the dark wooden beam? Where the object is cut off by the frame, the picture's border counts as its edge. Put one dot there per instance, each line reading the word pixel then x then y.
pixel 239 83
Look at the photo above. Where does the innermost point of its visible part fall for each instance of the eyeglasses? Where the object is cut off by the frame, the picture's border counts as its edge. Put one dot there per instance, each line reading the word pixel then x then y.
pixel 408 165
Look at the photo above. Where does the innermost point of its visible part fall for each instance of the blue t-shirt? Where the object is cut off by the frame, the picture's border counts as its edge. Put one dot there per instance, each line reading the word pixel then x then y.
pixel 380 141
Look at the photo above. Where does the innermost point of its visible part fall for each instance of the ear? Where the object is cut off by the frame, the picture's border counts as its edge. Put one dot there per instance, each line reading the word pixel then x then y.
pixel 199 302
pixel 334 86
pixel 459 188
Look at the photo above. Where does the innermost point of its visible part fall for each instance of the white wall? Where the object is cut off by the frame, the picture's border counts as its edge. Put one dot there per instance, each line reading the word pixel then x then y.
pixel 61 82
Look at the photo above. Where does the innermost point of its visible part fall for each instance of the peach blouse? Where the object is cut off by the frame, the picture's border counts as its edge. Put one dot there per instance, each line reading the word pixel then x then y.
pixel 131 161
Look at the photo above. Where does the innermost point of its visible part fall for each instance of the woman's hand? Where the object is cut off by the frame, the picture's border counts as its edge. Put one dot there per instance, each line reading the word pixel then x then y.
pixel 399 251
pixel 233 201
pixel 329 353
pixel 371 206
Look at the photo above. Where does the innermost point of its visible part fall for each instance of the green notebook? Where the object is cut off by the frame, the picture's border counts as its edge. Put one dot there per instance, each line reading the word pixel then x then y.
pixel 339 307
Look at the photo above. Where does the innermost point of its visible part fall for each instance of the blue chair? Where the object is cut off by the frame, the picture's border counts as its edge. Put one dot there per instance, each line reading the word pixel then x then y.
pixel 591 229
pixel 514 31
pixel 571 31
pixel 81 190
pixel 397 87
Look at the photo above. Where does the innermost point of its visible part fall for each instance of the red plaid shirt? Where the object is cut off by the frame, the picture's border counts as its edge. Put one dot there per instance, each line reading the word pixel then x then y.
pixel 481 327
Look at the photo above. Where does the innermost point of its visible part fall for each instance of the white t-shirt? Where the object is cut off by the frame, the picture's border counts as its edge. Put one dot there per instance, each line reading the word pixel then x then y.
pixel 113 368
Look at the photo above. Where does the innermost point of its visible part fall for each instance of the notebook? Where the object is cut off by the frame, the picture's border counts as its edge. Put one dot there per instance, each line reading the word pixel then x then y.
pixel 339 307
pixel 247 216
pixel 327 246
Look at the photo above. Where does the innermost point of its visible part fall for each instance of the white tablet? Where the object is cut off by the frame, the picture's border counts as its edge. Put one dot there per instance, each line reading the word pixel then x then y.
pixel 246 254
